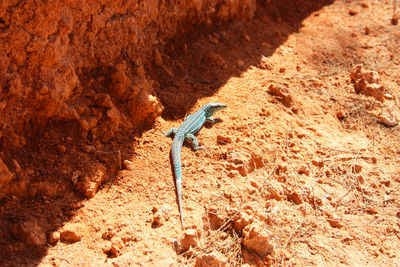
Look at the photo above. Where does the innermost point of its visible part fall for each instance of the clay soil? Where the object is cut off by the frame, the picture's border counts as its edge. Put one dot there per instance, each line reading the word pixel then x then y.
pixel 297 153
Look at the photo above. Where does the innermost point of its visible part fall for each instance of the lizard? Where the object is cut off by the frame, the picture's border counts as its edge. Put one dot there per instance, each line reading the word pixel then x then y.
pixel 191 125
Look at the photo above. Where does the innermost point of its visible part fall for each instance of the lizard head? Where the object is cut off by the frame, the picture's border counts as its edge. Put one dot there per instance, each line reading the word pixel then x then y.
pixel 211 108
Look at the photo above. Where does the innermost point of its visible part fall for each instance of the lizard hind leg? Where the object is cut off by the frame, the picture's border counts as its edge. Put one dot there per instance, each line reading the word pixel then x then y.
pixel 194 141
pixel 172 131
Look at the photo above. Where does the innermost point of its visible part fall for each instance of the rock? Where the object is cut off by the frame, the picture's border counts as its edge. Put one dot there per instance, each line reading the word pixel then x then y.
pixel 5 175
pixel 158 220
pixel 90 182
pixel 108 234
pixel 294 196
pixel 73 232
pixel 213 259
pixel 31 232
pixel 389 116
pixel 257 239
pixel 223 140
pixel 61 148
pixel 127 165
pixel 340 114
pixel 353 12
pixel 357 168
pixel 304 169
pixel 188 240
pixel 116 246
pixel 335 222
pixel 54 237
pixel 282 93
pixel 242 219
pixel 367 82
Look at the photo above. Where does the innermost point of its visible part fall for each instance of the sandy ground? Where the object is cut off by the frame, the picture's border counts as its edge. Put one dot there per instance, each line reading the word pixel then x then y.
pixel 299 170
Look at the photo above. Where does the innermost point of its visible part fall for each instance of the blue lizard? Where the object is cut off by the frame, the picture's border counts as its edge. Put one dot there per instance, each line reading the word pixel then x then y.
pixel 187 130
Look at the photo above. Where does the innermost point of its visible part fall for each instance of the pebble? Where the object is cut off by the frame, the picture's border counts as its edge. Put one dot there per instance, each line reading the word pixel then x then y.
pixel 188 240
pixel 353 12
pixel 295 198
pixel 61 148
pixel 116 246
pixel 304 169
pixel 54 237
pixel 242 219
pixel 127 165
pixel 73 232
pixel 335 222
pixel 257 238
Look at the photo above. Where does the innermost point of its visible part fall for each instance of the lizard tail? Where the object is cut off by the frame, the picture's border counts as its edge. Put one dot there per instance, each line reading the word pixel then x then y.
pixel 176 160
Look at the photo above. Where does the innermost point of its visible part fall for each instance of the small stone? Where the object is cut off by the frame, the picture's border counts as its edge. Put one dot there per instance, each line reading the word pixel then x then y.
pixel 108 234
pixel 389 116
pixel 242 219
pixel 233 174
pixel 54 237
pixel 73 232
pixel 395 20
pixel 116 246
pixel 367 30
pixel 61 148
pixel 127 165
pixel 353 12
pixel 335 222
pixel 282 70
pixel 213 259
pixel 223 140
pixel 257 239
pixel 364 5
pixel 360 179
pixel 158 220
pixel 371 210
pixel 388 96
pixel 340 114
pixel 295 198
pixel 188 240
pixel 247 38
pixel 304 169
pixel 367 82
pixel 357 168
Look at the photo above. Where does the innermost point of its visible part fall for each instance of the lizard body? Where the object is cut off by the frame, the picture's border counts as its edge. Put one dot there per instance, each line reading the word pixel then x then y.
pixel 187 130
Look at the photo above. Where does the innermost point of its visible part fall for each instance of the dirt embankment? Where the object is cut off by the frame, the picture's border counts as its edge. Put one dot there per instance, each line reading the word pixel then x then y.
pixel 302 167
pixel 85 65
